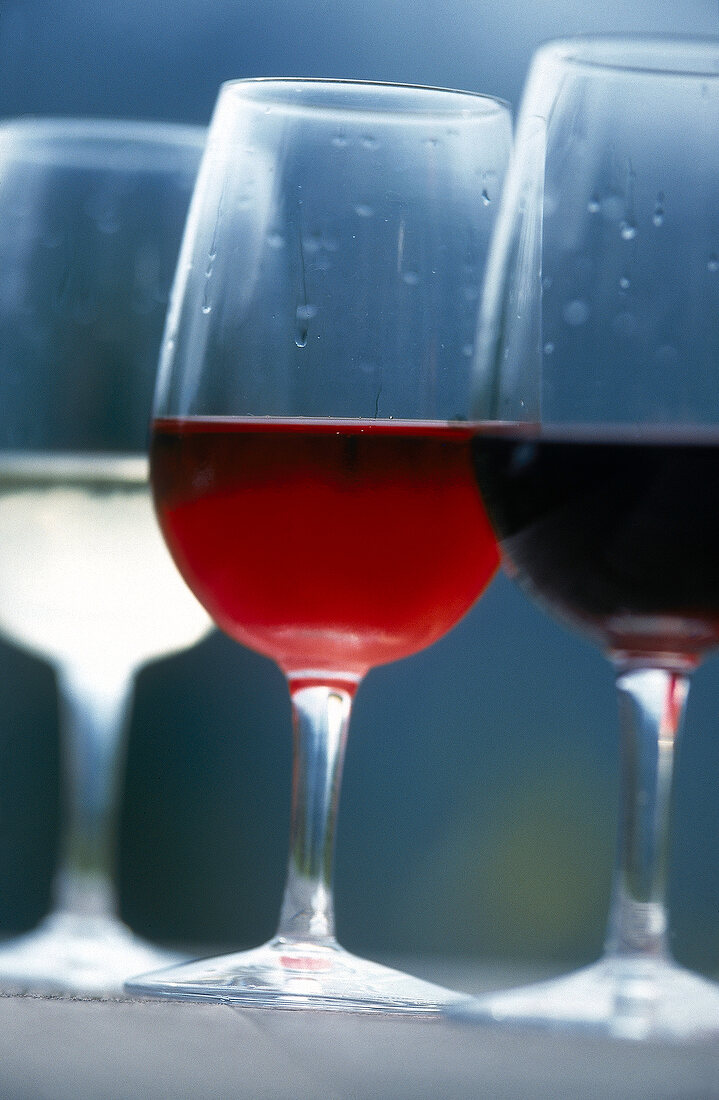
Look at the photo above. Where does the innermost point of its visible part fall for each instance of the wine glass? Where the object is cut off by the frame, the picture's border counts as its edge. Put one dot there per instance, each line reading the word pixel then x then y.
pixel 91 216
pixel 311 459
pixel 597 449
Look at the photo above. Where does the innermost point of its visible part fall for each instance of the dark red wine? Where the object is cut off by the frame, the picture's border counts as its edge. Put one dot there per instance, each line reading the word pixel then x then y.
pixel 618 533
pixel 325 545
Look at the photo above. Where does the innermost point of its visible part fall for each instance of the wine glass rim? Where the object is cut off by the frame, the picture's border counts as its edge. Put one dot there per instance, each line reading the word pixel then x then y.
pixel 482 103
pixel 40 129
pixel 641 54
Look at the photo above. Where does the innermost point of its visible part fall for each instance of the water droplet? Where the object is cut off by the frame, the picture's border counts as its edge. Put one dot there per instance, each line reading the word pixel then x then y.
pixel 485 197
pixel 658 215
pixel 432 142
pixel 301 338
pixel 340 141
pixel 624 283
pixel 275 240
pixel 369 142
pixel 576 312
pixel 411 278
pixel 628 230
pixel 363 210
pixel 713 262
pixel 548 347
pixel 594 205
pixel 207 308
pixel 468 351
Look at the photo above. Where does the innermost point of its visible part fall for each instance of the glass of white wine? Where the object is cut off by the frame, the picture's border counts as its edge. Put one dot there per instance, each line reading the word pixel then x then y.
pixel 91 214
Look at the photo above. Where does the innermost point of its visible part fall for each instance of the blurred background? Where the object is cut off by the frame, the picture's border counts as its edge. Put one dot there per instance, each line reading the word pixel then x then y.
pixel 479 808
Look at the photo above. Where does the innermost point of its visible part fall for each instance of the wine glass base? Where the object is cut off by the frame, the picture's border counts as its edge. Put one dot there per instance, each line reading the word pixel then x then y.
pixel 640 999
pixel 289 975
pixel 71 953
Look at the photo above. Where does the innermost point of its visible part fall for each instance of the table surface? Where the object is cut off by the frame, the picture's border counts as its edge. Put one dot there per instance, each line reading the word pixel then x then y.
pixel 93 1049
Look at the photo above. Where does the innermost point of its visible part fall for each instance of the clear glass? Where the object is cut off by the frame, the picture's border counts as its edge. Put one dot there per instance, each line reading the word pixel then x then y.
pixel 597 449
pixel 91 220
pixel 311 462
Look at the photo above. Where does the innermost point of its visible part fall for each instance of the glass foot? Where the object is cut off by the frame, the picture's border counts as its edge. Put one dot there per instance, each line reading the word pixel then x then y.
pixel 78 954
pixel 624 998
pixel 287 975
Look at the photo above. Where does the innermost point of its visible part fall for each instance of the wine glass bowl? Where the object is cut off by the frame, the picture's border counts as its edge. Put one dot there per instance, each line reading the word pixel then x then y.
pixel 92 214
pixel 597 417
pixel 311 455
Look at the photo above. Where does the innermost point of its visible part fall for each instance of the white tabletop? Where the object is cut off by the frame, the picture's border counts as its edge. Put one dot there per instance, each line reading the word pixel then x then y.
pixel 83 1049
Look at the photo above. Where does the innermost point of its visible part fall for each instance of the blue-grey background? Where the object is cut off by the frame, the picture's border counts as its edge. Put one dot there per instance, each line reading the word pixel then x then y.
pixel 479 805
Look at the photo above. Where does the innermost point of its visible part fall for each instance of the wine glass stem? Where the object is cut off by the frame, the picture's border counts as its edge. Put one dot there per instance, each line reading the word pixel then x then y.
pixel 320 723
pixel 93 718
pixel 651 707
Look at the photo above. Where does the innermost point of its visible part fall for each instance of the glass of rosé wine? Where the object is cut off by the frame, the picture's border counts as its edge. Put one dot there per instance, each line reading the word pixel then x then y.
pixel 596 400
pixel 311 456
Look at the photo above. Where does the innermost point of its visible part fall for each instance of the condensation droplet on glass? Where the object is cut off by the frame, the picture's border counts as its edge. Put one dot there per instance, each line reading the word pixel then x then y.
pixel 432 142
pixel 658 215
pixel 485 197
pixel 576 312
pixel 713 263
pixel 411 278
pixel 275 240
pixel 594 205
pixel 624 283
pixel 207 308
pixel 628 230
pixel 363 210
pixel 369 142
pixel 548 347
pixel 340 141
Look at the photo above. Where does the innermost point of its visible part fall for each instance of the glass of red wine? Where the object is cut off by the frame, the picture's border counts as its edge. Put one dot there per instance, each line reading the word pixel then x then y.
pixel 597 449
pixel 311 455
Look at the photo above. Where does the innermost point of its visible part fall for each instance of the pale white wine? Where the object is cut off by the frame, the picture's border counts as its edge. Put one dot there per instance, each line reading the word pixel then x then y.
pixel 85 578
